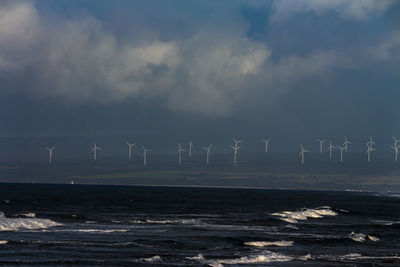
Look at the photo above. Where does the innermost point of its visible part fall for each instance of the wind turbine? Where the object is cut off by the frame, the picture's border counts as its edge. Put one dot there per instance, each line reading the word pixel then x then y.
pixel 180 150
pixel 396 151
pixel 130 149
pixel 320 144
pixel 235 148
pixel 50 149
pixel 236 141
pixel 266 141
pixel 208 150
pixel 145 150
pixel 190 149
pixel 346 143
pixel 396 141
pixel 330 148
pixel 343 148
pixel 302 153
pixel 369 150
pixel 370 143
pixel 94 150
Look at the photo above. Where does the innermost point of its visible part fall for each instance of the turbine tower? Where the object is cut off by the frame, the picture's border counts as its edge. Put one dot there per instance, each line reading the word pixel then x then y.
pixel 50 149
pixel 180 150
pixel 235 148
pixel 369 150
pixel 346 143
pixel 321 142
pixel 94 150
pixel 396 151
pixel 343 148
pixel 331 148
pixel 266 141
pixel 145 150
pixel 302 153
pixel 190 149
pixel 208 150
pixel 130 149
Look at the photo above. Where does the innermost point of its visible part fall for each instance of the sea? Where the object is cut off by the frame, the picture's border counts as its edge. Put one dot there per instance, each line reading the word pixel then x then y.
pixel 104 225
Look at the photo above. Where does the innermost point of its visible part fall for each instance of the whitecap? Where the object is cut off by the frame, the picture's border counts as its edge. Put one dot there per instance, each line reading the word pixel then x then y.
pixel 199 257
pixel 360 237
pixel 152 259
pixel 265 257
pixel 373 238
pixel 269 243
pixel 15 224
pixel 2 242
pixel 28 215
pixel 304 214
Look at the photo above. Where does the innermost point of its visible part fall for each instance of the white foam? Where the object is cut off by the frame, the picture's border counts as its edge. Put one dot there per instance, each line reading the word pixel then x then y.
pixel 176 221
pixel 152 259
pixel 304 214
pixel 360 237
pixel 15 224
pixel 199 257
pixel 2 242
pixel 373 238
pixel 265 257
pixel 99 230
pixel 269 243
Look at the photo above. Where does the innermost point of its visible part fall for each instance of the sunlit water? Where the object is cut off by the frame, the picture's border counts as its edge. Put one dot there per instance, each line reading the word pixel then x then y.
pixel 123 225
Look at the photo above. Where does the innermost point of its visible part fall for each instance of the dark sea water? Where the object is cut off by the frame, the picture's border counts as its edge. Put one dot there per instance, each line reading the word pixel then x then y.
pixel 69 225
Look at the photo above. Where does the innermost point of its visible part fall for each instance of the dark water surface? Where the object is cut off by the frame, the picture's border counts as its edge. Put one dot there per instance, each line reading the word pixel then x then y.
pixel 149 226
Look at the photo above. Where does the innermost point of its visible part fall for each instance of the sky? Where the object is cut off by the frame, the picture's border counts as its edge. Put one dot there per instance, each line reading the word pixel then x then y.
pixel 296 69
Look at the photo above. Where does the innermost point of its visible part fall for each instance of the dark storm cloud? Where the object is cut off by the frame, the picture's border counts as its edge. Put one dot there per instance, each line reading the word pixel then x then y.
pixel 262 63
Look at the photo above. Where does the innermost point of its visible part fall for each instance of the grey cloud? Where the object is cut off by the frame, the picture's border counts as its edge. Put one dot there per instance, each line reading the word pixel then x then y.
pixel 350 10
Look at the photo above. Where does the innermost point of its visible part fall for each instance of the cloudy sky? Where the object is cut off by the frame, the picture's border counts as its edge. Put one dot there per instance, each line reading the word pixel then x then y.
pixel 304 67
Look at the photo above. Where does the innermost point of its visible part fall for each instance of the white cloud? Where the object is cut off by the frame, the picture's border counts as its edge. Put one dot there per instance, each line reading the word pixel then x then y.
pixel 347 9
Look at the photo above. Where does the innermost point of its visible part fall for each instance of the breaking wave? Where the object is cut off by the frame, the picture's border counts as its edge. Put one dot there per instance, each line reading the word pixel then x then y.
pixel 174 221
pixel 265 257
pixel 304 214
pixel 14 224
pixel 269 243
pixel 152 259
pixel 360 237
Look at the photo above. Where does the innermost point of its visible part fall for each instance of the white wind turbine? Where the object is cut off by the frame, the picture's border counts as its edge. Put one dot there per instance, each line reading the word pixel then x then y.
pixel 94 150
pixel 50 149
pixel 266 141
pixel 343 148
pixel 371 142
pixel 331 148
pixel 321 142
pixel 395 140
pixel 130 146
pixel 190 149
pixel 346 143
pixel 235 148
pixel 145 150
pixel 396 151
pixel 236 141
pixel 302 153
pixel 369 150
pixel 208 150
pixel 180 150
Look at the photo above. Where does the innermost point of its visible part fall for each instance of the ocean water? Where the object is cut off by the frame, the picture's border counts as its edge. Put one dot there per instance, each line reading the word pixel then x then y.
pixel 81 225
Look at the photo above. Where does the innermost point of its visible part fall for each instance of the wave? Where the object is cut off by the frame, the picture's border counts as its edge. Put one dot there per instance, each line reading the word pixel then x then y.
pixel 27 215
pixel 15 224
pixel 2 242
pixel 265 257
pixel 173 221
pixel 269 243
pixel 360 237
pixel 97 230
pixel 152 259
pixel 304 214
